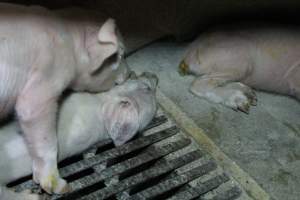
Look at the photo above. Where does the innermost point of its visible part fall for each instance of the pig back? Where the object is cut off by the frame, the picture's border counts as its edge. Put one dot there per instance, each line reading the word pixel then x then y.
pixel 11 82
pixel 20 46
pixel 277 52
pixel 14 69
pixel 31 39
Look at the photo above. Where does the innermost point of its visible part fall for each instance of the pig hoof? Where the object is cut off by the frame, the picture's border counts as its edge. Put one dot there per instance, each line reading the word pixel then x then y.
pixel 250 94
pixel 244 108
pixel 56 186
pixel 253 101
pixel 52 183
pixel 240 101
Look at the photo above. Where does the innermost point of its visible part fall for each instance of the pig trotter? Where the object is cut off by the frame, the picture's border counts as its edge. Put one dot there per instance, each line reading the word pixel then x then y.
pixel 51 182
pixel 37 119
pixel 54 184
pixel 239 97
pixel 238 101
pixel 234 95
pixel 250 94
pixel 244 108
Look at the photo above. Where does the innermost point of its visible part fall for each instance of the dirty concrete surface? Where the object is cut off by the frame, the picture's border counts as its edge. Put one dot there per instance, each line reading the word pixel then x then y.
pixel 265 143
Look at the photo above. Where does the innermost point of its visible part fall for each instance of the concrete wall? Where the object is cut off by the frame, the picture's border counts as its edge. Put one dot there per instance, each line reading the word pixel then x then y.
pixel 182 17
pixel 143 21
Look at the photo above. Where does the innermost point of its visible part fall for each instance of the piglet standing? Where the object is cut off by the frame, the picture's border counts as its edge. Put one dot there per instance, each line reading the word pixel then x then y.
pixel 227 63
pixel 42 53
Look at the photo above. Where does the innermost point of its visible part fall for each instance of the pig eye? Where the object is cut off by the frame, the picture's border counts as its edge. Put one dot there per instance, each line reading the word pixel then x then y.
pixel 148 88
pixel 124 103
pixel 110 61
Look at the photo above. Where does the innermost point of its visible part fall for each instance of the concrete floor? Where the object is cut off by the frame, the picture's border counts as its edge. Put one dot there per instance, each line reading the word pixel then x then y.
pixel 265 143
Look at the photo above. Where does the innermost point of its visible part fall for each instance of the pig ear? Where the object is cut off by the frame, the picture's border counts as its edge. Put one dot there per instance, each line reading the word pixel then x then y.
pixel 107 32
pixel 122 121
pixel 109 45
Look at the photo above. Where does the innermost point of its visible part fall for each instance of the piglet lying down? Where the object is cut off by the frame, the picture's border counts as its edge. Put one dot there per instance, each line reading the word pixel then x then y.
pixel 226 63
pixel 84 119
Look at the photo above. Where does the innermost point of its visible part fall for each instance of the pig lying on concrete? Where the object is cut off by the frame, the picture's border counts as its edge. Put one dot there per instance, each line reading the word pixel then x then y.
pixel 228 63
pixel 84 119
pixel 42 53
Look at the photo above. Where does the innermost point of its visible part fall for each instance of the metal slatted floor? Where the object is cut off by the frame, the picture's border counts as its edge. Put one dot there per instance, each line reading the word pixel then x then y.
pixel 162 163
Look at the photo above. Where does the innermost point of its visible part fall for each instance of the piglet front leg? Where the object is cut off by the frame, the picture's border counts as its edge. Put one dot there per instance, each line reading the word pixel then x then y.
pixel 36 109
pixel 218 89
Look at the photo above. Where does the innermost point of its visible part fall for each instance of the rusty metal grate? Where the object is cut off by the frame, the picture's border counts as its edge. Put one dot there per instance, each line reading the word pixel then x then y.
pixel 163 163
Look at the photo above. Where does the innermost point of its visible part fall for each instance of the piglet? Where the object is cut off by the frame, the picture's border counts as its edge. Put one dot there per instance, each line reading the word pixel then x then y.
pixel 227 63
pixel 43 53
pixel 84 119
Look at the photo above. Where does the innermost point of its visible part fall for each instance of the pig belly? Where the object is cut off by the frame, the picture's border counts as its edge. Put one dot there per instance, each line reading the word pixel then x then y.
pixel 15 161
pixel 18 52
pixel 268 77
pixel 11 81
pixel 272 61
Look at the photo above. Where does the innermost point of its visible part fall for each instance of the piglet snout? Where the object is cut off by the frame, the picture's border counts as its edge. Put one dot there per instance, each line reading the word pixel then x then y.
pixel 183 68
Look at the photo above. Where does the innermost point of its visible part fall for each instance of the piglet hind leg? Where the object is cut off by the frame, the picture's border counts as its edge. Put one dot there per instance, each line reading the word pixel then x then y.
pixel 36 112
pixel 222 90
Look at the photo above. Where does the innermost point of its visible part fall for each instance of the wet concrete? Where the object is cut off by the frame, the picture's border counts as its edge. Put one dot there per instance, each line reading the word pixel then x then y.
pixel 265 143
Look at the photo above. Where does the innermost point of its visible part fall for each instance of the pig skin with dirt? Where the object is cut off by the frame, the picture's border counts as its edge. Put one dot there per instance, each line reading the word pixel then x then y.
pixel 227 63
pixel 42 53
pixel 84 119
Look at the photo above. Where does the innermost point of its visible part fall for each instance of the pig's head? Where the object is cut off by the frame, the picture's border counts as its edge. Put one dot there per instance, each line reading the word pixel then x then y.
pixel 191 63
pixel 103 65
pixel 130 107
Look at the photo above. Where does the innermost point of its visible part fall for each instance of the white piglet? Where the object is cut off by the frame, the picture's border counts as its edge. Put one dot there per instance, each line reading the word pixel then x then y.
pixel 227 62
pixel 42 53
pixel 84 119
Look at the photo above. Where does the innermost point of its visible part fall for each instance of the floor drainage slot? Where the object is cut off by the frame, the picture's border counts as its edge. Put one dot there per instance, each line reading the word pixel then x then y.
pixel 137 170
pixel 19 181
pixel 71 160
pixel 144 168
pixel 105 147
pixel 172 183
pixel 123 158
pixel 148 183
pixel 79 175
pixel 202 188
